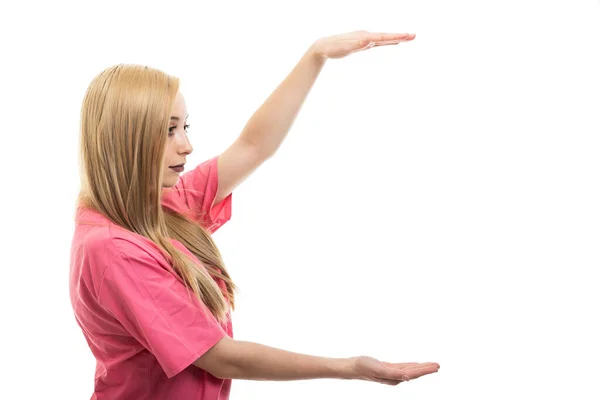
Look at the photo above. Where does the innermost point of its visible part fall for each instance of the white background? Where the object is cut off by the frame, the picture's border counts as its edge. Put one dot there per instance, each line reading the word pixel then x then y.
pixel 434 201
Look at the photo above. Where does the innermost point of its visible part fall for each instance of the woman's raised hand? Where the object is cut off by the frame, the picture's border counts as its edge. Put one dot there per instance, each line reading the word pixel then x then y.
pixel 338 46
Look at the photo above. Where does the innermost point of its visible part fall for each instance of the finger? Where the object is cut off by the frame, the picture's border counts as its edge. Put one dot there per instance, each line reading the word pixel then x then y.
pixel 417 372
pixel 400 365
pixel 391 373
pixel 357 43
pixel 389 42
pixel 368 46
pixel 416 364
pixel 385 37
pixel 428 364
pixel 411 364
pixel 409 370
pixel 391 382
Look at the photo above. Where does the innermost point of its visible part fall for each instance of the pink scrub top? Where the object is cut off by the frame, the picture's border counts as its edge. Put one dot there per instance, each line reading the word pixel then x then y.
pixel 138 318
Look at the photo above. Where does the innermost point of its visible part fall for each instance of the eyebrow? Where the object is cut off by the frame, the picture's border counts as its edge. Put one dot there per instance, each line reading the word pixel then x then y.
pixel 177 118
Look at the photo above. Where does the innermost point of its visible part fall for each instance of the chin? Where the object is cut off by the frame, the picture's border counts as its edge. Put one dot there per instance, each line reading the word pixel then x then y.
pixel 168 183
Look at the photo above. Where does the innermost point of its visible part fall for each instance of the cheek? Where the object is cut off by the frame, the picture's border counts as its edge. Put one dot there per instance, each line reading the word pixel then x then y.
pixel 169 150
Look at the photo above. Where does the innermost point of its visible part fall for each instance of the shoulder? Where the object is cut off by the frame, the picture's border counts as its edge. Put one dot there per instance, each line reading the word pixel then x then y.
pixel 98 243
pixel 97 234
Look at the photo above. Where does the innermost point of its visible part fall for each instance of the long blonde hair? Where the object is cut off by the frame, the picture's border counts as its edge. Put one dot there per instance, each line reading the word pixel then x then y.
pixel 124 123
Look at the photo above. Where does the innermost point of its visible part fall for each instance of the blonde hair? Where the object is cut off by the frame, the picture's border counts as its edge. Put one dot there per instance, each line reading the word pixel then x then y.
pixel 124 123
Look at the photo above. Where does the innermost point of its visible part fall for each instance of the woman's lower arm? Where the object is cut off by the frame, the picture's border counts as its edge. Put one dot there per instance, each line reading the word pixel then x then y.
pixel 232 359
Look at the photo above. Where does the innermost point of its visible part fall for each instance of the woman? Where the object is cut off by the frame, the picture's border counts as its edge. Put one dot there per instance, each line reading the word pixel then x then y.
pixel 148 285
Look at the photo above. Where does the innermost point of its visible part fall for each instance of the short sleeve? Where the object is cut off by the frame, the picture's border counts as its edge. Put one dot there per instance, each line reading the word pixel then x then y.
pixel 155 307
pixel 195 193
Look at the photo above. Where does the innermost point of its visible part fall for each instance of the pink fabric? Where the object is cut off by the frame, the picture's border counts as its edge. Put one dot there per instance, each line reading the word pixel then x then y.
pixel 139 320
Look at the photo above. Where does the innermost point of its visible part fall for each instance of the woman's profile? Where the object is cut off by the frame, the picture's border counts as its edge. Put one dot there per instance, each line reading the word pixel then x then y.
pixel 148 285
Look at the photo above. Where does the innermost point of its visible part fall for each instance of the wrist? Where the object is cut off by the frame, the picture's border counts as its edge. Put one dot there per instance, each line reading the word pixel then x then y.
pixel 345 368
pixel 316 52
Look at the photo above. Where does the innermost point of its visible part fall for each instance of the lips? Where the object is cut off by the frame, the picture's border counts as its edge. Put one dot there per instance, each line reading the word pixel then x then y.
pixel 178 168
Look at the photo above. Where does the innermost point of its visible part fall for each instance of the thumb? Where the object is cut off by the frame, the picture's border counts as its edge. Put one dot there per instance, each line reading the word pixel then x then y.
pixel 387 372
pixel 363 46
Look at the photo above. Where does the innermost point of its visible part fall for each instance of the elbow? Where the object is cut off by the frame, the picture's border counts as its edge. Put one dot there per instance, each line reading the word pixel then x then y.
pixel 220 373
pixel 262 150
pixel 217 360
pixel 222 370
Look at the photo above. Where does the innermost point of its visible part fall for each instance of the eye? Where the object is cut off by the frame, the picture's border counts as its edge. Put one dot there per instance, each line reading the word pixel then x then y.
pixel 171 129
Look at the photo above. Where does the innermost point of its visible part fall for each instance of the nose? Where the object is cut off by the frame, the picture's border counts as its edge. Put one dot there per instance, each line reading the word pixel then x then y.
pixel 184 146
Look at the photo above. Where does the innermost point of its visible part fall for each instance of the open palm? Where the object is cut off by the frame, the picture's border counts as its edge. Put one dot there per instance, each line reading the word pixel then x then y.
pixel 370 369
pixel 338 46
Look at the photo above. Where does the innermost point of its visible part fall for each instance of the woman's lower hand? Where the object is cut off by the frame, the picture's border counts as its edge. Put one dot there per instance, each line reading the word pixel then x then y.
pixel 369 369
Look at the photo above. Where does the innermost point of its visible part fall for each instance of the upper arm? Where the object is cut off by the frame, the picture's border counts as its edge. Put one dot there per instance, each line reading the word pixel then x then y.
pixel 215 360
pixel 154 307
pixel 195 196
pixel 236 164
pixel 204 193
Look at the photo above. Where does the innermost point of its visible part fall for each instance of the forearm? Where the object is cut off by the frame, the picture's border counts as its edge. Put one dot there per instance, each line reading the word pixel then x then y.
pixel 269 125
pixel 234 359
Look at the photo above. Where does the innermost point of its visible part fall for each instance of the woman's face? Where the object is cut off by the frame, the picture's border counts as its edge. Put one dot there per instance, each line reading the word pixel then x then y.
pixel 178 145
